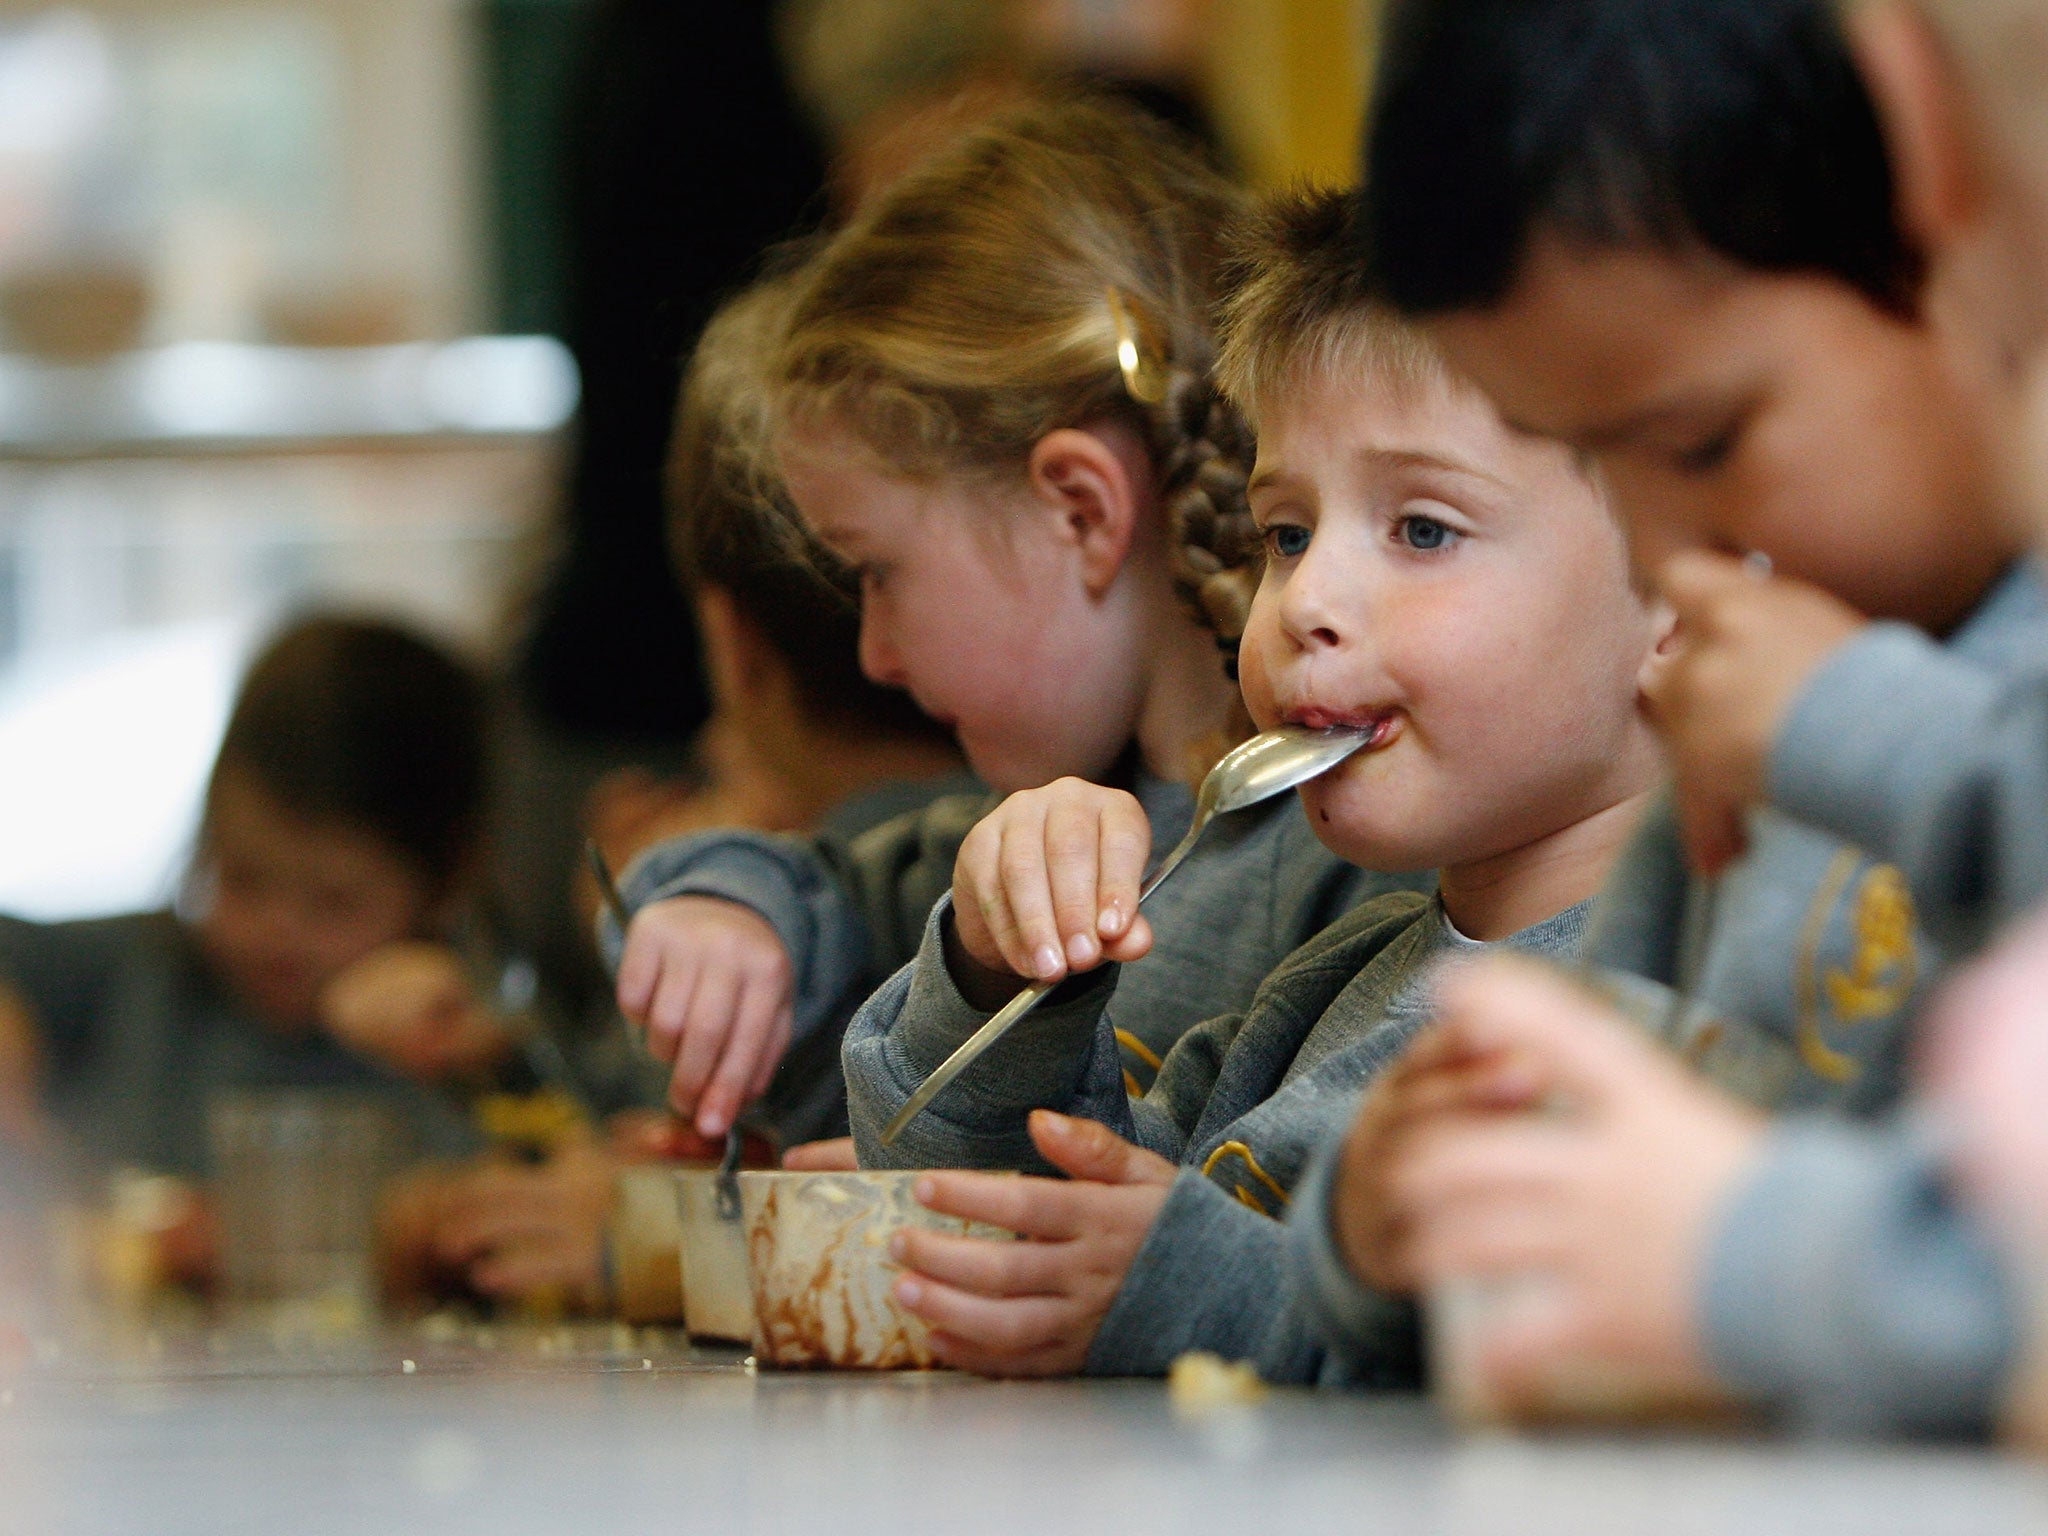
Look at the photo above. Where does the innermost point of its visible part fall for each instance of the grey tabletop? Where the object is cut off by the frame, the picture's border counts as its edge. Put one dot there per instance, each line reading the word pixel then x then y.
pixel 628 1434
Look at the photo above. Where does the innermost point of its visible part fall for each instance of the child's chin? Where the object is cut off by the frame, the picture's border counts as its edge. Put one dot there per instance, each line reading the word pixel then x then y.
pixel 1366 837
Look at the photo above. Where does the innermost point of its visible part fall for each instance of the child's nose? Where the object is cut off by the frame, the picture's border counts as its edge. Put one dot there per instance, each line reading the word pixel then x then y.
pixel 1310 615
pixel 879 662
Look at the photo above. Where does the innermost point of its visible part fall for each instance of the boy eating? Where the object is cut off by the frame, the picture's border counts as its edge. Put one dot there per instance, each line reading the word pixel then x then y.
pixel 1814 1266
pixel 1458 590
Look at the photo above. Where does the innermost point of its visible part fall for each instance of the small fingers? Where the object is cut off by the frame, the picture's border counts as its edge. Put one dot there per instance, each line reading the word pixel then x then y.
pixel 1072 839
pixel 1032 945
pixel 1126 843
pixel 1133 944
pixel 835 1156
pixel 981 912
pixel 669 1013
pixel 984 1266
pixel 1062 1357
pixel 703 1036
pixel 1464 1160
pixel 740 1057
pixel 1030 1207
pixel 639 971
pixel 1007 1326
pixel 1487 1235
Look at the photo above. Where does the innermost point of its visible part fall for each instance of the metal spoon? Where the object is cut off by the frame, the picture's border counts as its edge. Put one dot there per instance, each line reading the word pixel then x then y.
pixel 1254 773
pixel 728 1199
pixel 607 887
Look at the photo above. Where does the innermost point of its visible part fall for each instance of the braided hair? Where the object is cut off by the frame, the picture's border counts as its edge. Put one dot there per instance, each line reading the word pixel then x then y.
pixel 1058 266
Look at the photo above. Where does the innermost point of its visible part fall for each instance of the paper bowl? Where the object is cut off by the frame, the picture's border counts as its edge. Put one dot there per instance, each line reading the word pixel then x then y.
pixel 717 1301
pixel 645 1239
pixel 818 1258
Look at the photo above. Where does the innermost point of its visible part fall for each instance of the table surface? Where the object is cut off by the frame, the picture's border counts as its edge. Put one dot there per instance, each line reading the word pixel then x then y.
pixel 567 1431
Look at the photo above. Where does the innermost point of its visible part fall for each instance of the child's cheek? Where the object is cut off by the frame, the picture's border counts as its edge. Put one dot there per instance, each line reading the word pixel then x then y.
pixel 1254 673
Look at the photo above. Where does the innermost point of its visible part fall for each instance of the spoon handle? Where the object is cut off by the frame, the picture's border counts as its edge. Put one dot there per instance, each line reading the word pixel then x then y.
pixel 1017 1007
pixel 728 1200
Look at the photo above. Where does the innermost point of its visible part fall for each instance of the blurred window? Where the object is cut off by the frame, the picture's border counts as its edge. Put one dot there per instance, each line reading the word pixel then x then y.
pixel 227 228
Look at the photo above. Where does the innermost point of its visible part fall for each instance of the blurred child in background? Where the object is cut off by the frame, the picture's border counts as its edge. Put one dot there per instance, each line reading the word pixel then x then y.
pixel 342 815
pixel 800 739
pixel 806 742
pixel 992 401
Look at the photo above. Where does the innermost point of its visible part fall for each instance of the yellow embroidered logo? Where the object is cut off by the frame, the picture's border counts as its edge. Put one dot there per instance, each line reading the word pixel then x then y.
pixel 1240 1152
pixel 1882 974
pixel 1882 964
pixel 1138 1057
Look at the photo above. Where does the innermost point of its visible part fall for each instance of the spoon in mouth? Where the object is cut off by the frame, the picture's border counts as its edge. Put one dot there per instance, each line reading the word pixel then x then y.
pixel 1260 769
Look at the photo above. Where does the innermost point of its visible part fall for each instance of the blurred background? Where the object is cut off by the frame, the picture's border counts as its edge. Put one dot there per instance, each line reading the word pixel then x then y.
pixel 383 301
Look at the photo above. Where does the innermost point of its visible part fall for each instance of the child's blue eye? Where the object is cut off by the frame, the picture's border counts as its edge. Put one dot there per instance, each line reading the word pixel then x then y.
pixel 1425 533
pixel 1289 541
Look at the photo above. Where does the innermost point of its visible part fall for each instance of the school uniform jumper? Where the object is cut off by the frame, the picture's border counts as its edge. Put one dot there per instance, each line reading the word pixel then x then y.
pixel 852 911
pixel 1242 1104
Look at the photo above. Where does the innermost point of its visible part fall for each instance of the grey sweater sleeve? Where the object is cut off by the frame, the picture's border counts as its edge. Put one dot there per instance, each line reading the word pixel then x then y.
pixel 1215 1275
pixel 849 909
pixel 1063 1057
pixel 1844 1287
pixel 785 880
pixel 1371 1339
pixel 1933 762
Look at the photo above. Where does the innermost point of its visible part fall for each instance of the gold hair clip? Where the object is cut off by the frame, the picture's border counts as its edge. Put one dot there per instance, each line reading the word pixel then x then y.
pixel 1142 381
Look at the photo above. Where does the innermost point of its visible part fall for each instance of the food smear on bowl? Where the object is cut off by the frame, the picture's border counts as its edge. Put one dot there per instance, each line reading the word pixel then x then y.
pixel 817 1251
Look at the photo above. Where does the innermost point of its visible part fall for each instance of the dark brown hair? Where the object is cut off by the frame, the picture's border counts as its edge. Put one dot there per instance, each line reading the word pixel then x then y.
pixel 360 723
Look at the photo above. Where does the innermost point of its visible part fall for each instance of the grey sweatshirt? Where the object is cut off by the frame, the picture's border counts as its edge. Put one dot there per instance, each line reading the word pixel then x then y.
pixel 1849 1290
pixel 1242 1103
pixel 1844 1284
pixel 852 911
pixel 1811 935
pixel 1359 1327
pixel 1935 757
pixel 138 1039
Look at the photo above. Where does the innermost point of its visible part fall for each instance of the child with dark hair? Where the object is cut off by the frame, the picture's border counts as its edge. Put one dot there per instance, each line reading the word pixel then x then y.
pixel 1665 232
pixel 342 816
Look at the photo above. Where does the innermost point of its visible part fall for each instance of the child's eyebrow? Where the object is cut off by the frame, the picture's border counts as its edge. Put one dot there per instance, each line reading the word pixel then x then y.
pixel 1267 478
pixel 1430 458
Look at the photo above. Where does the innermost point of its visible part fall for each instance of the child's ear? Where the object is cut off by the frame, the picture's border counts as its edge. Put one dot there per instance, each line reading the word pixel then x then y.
pixel 1927 122
pixel 1663 646
pixel 1098 485
pixel 731 662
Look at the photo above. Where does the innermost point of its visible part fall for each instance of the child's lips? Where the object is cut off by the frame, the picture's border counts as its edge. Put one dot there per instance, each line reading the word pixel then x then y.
pixel 1380 724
